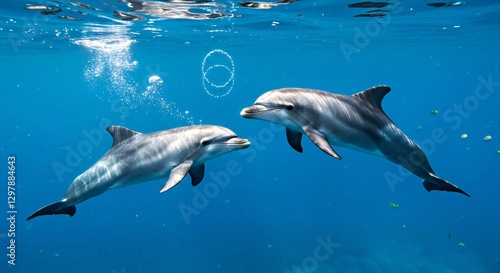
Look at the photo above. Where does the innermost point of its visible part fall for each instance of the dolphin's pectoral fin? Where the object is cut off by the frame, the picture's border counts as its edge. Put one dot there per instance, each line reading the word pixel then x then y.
pixel 54 208
pixel 294 138
pixel 320 140
pixel 197 172
pixel 442 185
pixel 119 134
pixel 176 175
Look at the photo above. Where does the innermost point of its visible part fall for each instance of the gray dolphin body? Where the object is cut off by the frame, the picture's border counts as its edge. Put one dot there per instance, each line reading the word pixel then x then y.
pixel 356 122
pixel 136 157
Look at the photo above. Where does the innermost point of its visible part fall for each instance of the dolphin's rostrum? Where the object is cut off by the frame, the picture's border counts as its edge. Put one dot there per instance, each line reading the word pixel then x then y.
pixel 136 157
pixel 356 122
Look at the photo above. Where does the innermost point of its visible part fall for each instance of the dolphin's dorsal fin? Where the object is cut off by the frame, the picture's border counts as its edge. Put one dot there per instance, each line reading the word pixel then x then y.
pixel 119 134
pixel 374 96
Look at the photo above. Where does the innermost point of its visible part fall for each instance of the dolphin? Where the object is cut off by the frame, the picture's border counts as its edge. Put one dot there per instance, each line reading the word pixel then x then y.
pixel 356 122
pixel 136 157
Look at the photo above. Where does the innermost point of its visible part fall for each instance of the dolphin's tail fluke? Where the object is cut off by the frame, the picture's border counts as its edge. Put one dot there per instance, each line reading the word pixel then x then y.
pixel 436 183
pixel 54 208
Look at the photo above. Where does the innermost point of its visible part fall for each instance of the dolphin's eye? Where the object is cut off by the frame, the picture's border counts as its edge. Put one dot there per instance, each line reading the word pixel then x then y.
pixel 205 142
pixel 289 107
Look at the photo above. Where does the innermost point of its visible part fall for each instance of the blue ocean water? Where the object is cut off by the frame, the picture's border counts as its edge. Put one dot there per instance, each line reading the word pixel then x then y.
pixel 70 69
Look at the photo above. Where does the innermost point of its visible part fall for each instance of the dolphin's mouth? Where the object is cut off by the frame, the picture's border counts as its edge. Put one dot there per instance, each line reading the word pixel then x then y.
pixel 236 141
pixel 254 109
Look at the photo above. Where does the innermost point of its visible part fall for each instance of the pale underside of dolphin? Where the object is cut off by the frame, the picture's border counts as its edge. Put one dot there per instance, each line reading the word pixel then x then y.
pixel 135 157
pixel 356 122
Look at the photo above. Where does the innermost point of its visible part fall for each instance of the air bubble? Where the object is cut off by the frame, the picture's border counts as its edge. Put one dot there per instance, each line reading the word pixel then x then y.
pixel 218 89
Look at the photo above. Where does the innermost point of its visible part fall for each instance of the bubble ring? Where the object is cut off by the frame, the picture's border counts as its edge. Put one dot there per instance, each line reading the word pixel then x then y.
pixel 218 86
pixel 205 78
pixel 230 69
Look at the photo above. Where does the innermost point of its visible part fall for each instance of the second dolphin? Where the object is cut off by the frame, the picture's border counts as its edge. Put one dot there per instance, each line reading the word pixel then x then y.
pixel 356 122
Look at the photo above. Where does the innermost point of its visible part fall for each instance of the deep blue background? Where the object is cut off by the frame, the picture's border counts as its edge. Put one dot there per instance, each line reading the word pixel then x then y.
pixel 273 211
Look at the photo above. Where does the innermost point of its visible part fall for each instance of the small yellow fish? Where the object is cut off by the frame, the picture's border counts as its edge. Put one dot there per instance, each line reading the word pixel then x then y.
pixel 461 244
pixel 464 136
pixel 434 112
pixel 486 138
pixel 394 205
